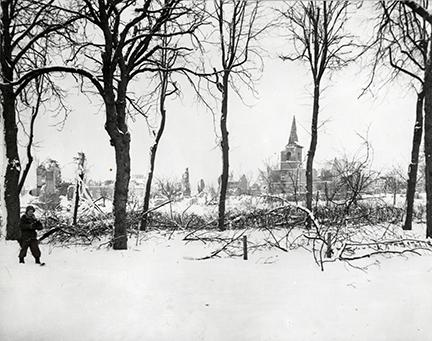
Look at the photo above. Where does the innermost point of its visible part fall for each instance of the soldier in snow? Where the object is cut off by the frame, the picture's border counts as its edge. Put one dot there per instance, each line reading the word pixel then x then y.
pixel 28 225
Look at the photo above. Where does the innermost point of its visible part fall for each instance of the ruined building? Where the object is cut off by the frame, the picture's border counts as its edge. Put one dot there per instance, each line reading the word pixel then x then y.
pixel 185 184
pixel 48 177
pixel 238 187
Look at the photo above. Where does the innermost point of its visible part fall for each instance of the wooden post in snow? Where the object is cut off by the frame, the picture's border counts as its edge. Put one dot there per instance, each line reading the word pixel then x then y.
pixel 329 251
pixel 245 250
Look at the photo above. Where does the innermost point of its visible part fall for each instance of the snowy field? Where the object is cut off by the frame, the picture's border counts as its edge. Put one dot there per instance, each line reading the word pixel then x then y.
pixel 154 291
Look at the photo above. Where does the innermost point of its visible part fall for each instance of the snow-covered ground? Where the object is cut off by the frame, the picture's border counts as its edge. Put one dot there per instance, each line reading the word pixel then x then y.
pixel 154 291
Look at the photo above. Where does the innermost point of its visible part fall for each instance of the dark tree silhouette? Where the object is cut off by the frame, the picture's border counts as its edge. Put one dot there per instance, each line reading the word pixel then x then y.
pixel 401 40
pixel 115 44
pixel 236 22
pixel 422 12
pixel 319 39
pixel 28 30
pixel 127 43
pixel 167 58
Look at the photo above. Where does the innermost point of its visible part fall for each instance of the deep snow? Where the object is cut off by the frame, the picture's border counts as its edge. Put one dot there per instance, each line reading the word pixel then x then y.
pixel 155 292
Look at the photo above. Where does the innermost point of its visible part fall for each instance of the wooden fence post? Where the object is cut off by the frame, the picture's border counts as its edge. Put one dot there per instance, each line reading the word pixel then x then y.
pixel 245 250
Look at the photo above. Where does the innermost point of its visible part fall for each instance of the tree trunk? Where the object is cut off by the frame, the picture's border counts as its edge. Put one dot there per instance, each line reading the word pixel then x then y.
pixel 121 188
pixel 117 129
pixel 413 167
pixel 3 211
pixel 77 199
pixel 13 167
pixel 153 151
pixel 428 141
pixel 81 161
pixel 35 112
pixel 312 147
pixel 75 212
pixel 143 223
pixel 225 152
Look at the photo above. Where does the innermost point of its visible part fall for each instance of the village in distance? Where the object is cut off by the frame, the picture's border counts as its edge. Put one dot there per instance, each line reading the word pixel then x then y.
pixel 337 181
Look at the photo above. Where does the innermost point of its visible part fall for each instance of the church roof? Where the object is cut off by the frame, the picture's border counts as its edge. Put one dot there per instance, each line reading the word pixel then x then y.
pixel 293 139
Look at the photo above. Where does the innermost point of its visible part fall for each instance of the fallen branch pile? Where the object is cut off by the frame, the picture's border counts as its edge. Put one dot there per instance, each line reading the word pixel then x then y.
pixel 336 234
pixel 59 231
pixel 364 232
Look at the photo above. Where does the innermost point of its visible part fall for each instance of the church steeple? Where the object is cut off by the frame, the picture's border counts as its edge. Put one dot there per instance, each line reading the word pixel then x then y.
pixel 293 139
pixel 291 156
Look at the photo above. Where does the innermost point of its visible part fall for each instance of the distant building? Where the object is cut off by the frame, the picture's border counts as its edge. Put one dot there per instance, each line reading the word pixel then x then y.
pixel 238 187
pixel 137 185
pixel 48 177
pixel 291 176
pixel 98 190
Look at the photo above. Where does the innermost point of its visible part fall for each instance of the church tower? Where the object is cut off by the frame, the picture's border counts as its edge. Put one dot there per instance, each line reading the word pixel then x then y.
pixel 291 156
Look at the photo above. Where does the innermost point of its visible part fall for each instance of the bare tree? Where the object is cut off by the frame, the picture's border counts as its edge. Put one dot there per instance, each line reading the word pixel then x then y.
pixel 28 29
pixel 42 94
pixel 351 178
pixel 39 88
pixel 128 43
pixel 393 182
pixel 422 12
pixel 401 40
pixel 317 29
pixel 171 190
pixel 166 87
pixel 295 178
pixel 236 22
pixel 114 46
pixel 118 41
pixel 354 178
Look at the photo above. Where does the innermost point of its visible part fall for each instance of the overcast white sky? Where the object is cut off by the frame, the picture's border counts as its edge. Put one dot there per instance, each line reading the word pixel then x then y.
pixel 257 132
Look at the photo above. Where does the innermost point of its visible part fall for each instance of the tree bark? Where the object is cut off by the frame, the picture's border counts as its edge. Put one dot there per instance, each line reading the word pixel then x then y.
pixel 225 152
pixel 428 141
pixel 312 147
pixel 164 80
pixel 143 223
pixel 28 165
pixel 427 87
pixel 81 161
pixel 121 189
pixel 12 165
pixel 153 151
pixel 77 197
pixel 3 212
pixel 117 129
pixel 413 167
